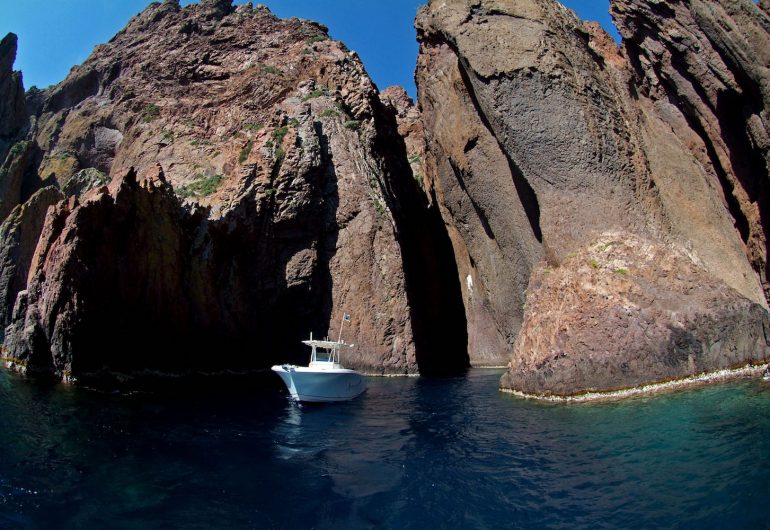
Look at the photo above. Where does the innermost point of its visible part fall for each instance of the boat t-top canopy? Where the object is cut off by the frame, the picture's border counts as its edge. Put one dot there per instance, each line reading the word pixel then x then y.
pixel 326 344
pixel 332 347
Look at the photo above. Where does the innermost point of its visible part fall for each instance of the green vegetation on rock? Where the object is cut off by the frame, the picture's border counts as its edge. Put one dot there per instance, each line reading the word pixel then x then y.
pixel 202 186
pixel 330 113
pixel 270 69
pixel 316 38
pixel 314 94
pixel 245 152
pixel 279 134
pixel 19 147
pixel 150 112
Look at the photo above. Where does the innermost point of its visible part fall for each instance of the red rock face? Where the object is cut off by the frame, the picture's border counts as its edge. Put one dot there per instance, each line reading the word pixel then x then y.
pixel 541 135
pixel 175 292
pixel 273 195
pixel 626 311
pixel 710 59
pixel 19 234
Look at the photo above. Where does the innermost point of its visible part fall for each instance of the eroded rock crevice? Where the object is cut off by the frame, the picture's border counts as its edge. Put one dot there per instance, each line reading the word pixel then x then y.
pixel 526 194
pixel 432 280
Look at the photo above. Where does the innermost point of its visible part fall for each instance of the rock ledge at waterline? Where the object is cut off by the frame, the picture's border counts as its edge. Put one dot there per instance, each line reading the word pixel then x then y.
pixel 626 312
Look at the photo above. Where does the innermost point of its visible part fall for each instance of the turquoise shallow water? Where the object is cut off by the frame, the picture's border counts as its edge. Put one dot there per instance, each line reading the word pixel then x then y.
pixel 410 453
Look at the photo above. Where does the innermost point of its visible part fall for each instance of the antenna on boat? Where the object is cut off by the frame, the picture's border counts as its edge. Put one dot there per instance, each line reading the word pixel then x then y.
pixel 345 318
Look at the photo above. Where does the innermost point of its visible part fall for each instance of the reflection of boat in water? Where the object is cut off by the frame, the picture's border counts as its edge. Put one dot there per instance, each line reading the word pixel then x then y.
pixel 324 379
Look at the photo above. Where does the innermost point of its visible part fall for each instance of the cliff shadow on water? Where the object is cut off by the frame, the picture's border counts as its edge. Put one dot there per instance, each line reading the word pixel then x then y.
pixel 432 279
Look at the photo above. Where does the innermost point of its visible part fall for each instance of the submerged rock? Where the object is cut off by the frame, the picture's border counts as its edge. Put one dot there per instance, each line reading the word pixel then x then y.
pixel 627 311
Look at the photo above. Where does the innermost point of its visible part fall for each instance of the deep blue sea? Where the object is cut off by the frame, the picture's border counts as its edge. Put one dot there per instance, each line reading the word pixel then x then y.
pixel 410 453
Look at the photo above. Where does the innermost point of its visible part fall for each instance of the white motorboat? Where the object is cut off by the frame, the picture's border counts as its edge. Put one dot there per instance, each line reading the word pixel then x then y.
pixel 324 379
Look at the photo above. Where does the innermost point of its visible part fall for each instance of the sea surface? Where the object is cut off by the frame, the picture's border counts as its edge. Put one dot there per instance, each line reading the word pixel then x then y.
pixel 410 453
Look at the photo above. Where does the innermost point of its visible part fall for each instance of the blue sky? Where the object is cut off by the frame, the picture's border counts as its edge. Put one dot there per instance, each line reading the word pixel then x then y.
pixel 54 35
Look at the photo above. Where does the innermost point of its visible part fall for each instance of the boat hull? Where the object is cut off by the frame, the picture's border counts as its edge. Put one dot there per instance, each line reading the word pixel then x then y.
pixel 321 386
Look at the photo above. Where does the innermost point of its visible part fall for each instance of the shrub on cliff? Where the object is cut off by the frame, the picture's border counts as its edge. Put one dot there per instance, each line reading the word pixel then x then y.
pixel 202 186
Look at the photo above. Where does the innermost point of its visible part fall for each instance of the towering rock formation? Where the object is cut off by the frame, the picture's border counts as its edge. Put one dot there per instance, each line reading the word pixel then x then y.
pixel 12 105
pixel 598 211
pixel 14 152
pixel 259 189
pixel 541 136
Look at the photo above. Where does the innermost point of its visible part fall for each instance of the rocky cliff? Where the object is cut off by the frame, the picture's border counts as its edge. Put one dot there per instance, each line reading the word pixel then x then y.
pixel 234 181
pixel 12 101
pixel 542 135
pixel 702 66
pixel 259 189
pixel 19 235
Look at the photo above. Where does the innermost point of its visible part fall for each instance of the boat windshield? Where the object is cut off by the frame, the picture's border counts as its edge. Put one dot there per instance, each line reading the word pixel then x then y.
pixel 324 356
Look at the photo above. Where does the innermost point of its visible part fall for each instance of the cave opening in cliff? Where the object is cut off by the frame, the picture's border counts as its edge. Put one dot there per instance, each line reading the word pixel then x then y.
pixel 432 280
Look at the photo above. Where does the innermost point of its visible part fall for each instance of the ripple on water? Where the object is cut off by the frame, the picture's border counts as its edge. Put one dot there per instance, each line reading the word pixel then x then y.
pixel 410 453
